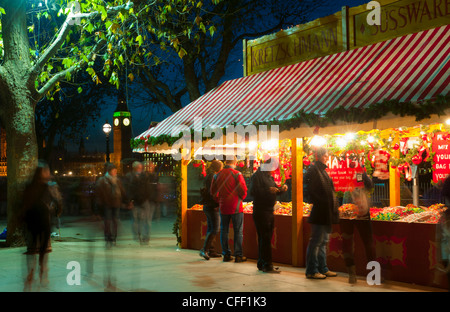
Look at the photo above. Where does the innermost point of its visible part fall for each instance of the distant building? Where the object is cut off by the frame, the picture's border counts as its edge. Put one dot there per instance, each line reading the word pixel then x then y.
pixel 122 156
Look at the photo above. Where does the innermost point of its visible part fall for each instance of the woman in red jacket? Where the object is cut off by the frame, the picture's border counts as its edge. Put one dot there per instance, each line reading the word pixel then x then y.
pixel 230 188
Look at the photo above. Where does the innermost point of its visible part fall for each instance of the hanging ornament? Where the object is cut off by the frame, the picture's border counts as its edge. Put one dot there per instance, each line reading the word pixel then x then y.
pixel 203 169
pixel 417 159
pixel 381 168
pixel 306 161
pixel 404 146
pixel 396 146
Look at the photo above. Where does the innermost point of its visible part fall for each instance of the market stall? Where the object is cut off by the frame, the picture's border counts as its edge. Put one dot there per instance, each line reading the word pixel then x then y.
pixel 379 93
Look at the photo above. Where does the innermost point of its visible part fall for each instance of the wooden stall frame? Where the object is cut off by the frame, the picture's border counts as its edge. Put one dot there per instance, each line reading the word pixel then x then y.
pixel 184 204
pixel 298 258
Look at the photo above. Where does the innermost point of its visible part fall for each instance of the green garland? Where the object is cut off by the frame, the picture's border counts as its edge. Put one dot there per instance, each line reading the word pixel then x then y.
pixel 177 224
pixel 352 115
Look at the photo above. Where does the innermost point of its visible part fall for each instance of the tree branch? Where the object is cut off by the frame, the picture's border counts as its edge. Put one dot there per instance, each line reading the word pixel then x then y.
pixel 59 76
pixel 67 25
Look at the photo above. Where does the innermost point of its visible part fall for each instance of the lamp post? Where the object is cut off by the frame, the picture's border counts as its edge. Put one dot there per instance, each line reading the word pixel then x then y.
pixel 107 130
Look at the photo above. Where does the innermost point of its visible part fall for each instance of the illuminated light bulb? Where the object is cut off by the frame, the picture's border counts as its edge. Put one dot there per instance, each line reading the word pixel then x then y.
pixel 341 142
pixel 349 136
pixel 318 141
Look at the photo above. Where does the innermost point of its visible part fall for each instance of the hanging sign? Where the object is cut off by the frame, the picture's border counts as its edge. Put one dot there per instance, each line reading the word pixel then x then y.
pixel 303 42
pixel 399 18
pixel 441 148
pixel 346 174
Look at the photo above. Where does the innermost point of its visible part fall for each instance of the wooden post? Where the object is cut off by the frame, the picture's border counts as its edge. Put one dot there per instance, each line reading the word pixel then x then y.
pixel 184 204
pixel 345 28
pixel 394 183
pixel 297 203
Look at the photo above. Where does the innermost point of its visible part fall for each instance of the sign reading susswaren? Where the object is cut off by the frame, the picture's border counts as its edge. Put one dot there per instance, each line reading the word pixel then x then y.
pixel 351 28
pixel 401 18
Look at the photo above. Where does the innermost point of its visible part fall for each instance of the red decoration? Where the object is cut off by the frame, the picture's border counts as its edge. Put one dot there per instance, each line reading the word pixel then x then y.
pixel 417 159
pixel 381 159
pixel 306 161
pixel 396 146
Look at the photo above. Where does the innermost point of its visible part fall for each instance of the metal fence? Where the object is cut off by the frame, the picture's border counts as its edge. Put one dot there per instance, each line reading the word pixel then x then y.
pixel 429 194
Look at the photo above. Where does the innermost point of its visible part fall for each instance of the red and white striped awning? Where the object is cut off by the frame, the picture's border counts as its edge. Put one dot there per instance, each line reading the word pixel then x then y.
pixel 410 68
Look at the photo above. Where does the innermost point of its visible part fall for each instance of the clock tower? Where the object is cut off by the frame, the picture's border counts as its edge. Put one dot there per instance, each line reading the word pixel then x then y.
pixel 122 133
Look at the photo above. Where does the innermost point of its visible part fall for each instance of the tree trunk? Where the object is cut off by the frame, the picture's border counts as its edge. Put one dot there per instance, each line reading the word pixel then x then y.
pixel 191 78
pixel 22 153
pixel 17 112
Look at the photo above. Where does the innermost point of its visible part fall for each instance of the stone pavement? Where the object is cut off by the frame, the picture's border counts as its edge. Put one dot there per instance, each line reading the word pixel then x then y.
pixel 159 267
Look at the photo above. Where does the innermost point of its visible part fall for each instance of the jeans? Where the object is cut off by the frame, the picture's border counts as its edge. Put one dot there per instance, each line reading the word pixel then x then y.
pixel 364 228
pixel 213 223
pixel 111 219
pixel 316 253
pixel 238 227
pixel 142 216
pixel 264 223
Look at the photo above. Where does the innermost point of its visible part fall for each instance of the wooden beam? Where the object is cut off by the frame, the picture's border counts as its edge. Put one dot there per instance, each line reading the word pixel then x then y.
pixel 298 258
pixel 184 204
pixel 394 181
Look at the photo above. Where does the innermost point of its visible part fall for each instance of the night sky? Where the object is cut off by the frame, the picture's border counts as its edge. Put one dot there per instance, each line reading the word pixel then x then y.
pixel 95 139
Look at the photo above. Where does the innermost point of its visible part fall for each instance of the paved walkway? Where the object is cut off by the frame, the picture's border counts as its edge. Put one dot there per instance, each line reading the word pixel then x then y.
pixel 159 267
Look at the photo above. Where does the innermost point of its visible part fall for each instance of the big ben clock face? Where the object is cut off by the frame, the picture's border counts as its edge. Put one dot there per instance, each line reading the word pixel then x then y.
pixel 116 122
pixel 126 121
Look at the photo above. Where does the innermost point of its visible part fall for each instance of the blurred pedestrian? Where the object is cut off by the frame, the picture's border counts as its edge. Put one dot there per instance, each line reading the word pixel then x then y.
pixel 358 196
pixel 133 186
pixel 154 193
pixel 324 213
pixel 230 188
pixel 264 191
pixel 41 201
pixel 110 196
pixel 211 210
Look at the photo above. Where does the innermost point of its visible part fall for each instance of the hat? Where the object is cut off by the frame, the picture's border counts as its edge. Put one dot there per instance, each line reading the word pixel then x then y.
pixel 110 166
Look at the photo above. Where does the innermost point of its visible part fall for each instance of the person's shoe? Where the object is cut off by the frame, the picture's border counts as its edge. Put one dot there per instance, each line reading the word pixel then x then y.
pixel 240 259
pixel 271 270
pixel 330 274
pixel 204 254
pixel 227 258
pixel 351 274
pixel 316 276
pixel 213 254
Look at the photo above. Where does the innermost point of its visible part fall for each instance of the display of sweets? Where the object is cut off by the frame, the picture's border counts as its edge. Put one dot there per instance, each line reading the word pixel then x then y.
pixel 348 211
pixel 283 208
pixel 410 213
pixel 197 207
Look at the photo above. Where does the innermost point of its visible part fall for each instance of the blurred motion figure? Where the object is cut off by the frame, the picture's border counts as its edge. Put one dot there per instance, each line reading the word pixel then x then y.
pixel 42 201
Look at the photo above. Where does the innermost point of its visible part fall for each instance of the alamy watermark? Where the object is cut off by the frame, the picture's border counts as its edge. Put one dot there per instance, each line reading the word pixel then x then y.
pixel 374 17
pixel 74 8
pixel 240 141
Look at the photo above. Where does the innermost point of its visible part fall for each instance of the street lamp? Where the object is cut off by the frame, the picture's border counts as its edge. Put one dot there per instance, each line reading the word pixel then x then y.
pixel 107 130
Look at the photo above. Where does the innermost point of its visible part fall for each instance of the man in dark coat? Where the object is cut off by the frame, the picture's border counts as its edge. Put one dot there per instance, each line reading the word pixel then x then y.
pixel 264 191
pixel 324 213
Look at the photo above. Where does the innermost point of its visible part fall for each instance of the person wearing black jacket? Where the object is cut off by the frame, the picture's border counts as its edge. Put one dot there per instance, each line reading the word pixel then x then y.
pixel 211 210
pixel 264 191
pixel 324 213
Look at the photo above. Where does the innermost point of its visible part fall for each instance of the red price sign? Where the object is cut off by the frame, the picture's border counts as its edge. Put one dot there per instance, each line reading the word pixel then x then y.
pixel 345 174
pixel 441 148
